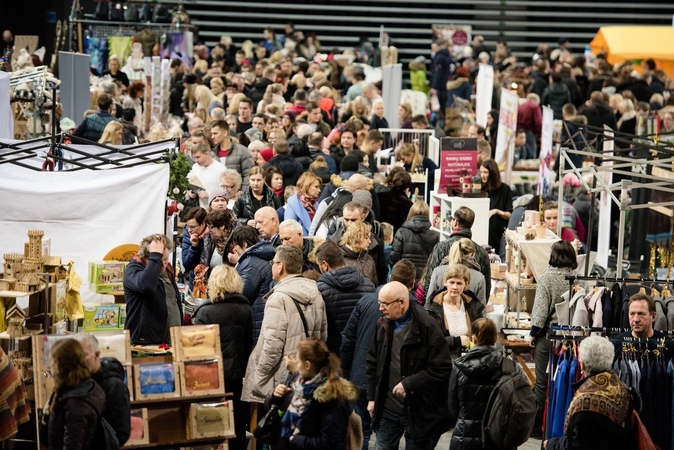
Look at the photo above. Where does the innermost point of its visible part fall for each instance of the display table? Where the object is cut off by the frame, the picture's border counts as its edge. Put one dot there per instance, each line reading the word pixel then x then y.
pixel 518 348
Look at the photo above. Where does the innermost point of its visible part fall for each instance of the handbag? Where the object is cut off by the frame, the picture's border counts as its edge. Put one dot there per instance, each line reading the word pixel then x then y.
pixel 641 440
pixel 268 430
pixel 435 103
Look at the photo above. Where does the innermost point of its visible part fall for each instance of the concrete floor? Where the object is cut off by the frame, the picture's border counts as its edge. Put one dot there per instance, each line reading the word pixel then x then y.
pixel 531 444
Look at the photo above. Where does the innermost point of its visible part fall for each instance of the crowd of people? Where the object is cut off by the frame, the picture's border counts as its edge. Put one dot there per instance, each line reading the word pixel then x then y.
pixel 318 262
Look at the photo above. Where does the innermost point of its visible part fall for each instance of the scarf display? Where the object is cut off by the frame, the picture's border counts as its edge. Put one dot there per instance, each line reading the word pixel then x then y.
pixel 308 202
pixel 303 392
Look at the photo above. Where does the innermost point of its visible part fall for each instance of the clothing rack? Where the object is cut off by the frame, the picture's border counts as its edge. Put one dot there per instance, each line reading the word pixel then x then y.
pixel 573 278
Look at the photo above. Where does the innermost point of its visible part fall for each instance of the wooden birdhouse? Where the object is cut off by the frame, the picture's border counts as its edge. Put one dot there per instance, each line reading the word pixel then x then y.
pixel 16 319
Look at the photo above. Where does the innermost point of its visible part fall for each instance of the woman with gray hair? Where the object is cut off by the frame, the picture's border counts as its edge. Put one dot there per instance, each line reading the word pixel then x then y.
pixel 599 416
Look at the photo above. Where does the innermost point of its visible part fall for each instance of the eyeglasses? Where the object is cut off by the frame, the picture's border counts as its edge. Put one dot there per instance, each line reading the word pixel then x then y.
pixel 193 227
pixel 386 305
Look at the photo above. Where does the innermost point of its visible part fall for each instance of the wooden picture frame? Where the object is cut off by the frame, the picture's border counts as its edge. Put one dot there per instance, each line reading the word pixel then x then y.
pixel 195 343
pixel 194 388
pixel 146 429
pixel 138 374
pixel 195 430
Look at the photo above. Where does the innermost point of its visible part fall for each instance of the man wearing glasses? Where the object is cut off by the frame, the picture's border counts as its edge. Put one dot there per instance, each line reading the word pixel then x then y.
pixel 408 368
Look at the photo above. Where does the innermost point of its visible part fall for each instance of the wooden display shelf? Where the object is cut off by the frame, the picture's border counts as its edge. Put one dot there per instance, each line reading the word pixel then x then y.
pixel 203 398
pixel 179 443
pixel 28 335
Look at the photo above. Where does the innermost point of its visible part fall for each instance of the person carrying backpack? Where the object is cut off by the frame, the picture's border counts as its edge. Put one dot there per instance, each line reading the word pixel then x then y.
pixel 478 388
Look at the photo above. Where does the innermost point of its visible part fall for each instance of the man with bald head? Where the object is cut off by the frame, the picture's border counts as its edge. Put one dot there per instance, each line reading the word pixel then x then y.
pixel 354 183
pixel 266 223
pixel 408 368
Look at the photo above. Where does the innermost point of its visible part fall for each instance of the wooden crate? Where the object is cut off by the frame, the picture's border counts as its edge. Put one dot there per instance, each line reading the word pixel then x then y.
pixel 115 344
pixel 196 342
pixel 128 373
pixel 146 431
pixel 195 388
pixel 208 429
pixel 137 374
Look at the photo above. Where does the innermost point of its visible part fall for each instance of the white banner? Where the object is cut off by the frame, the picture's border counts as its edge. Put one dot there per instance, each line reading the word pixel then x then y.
pixel 85 213
pixel 546 157
pixel 484 90
pixel 505 139
pixel 604 236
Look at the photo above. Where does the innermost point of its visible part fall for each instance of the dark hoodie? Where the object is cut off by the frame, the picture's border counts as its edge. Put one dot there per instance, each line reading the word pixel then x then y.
pixel 117 403
pixel 556 96
pixel 473 378
pixel 341 289
pixel 80 405
pixel 414 241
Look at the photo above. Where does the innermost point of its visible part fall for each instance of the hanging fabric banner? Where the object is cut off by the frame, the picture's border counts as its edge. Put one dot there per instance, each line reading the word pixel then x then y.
pixel 546 157
pixel 505 139
pixel 484 91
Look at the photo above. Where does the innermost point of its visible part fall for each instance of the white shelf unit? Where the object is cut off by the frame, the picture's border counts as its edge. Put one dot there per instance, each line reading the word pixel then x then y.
pixel 444 204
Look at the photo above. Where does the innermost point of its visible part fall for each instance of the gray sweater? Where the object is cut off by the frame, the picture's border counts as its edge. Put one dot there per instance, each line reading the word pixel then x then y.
pixel 549 290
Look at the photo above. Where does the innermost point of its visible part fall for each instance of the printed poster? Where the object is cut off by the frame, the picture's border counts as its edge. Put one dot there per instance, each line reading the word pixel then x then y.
pixel 456 155
pixel 505 139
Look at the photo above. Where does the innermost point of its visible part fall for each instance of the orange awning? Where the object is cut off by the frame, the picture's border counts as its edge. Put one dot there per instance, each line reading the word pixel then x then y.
pixel 636 43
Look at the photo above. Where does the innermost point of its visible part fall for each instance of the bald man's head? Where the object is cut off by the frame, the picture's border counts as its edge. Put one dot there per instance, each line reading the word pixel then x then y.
pixel 266 222
pixel 7 36
pixel 394 300
pixel 356 182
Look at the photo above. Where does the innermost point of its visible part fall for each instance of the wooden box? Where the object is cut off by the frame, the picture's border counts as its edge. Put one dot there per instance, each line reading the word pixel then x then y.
pixel 206 420
pixel 140 433
pixel 196 342
pixel 128 380
pixel 115 344
pixel 198 378
pixel 165 375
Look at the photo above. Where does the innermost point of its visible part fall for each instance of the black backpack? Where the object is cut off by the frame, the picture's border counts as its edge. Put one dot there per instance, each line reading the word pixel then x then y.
pixel 511 410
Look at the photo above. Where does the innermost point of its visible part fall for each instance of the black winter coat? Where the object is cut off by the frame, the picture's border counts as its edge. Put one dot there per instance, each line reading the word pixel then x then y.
pixel 244 210
pixel 473 379
pixel 255 271
pixel 376 251
pixel 395 205
pixel 425 366
pixel 555 96
pixel 232 313
pixel 291 169
pixel 326 418
pixel 146 311
pixel 341 290
pixel 474 308
pixel 117 410
pixel 414 241
pixel 73 420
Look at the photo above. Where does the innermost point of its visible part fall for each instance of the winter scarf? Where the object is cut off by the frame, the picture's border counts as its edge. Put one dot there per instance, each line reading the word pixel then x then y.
pixel 308 202
pixel 303 392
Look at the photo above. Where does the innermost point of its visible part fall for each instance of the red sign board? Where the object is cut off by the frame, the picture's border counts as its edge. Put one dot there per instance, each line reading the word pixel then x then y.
pixel 456 155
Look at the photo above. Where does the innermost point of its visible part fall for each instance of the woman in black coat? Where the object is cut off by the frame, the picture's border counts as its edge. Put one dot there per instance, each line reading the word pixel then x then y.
pixel 414 240
pixel 254 255
pixel 473 378
pixel 455 308
pixel 317 403
pixel 76 405
pixel 500 201
pixel 231 312
pixel 395 204
pixel 257 195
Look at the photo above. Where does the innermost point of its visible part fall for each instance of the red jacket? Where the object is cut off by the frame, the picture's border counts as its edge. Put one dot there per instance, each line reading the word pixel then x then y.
pixel 530 118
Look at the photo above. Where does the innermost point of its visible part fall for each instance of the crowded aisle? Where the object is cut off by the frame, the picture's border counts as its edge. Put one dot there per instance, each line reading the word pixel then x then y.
pixel 280 245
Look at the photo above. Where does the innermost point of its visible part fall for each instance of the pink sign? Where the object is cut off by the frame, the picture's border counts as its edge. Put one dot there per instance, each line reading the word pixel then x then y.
pixel 456 155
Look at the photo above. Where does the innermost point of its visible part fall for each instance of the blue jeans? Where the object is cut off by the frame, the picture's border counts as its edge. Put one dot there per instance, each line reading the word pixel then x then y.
pixel 361 409
pixel 391 428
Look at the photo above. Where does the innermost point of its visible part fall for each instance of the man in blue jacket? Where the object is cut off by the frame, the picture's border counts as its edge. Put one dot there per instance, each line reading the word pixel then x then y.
pixel 358 335
pixel 441 68
pixel 152 301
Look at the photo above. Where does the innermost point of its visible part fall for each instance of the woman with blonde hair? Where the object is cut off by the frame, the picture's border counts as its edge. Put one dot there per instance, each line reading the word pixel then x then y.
pixel 217 87
pixel 112 134
pixel 357 107
pixel 114 70
pixel 273 95
pixel 189 101
pixel 202 114
pixel 233 107
pixel 354 244
pixel 414 240
pixel 230 310
pixel 77 402
pixel 455 308
pixel 302 206
pixel 628 117
pixel 414 162
pixel 206 99
pixel 461 252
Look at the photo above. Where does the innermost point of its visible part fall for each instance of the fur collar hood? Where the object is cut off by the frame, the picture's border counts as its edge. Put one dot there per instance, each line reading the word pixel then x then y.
pixel 338 182
pixel 341 389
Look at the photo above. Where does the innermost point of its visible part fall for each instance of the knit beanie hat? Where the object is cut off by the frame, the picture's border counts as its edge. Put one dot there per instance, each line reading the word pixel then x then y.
pixel 215 194
pixel 267 154
pixel 350 163
pixel 363 198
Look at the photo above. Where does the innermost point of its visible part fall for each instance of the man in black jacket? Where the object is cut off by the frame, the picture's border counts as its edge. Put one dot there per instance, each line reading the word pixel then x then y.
pixel 292 170
pixel 408 368
pixel 441 68
pixel 461 224
pixel 358 335
pixel 341 287
pixel 108 373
